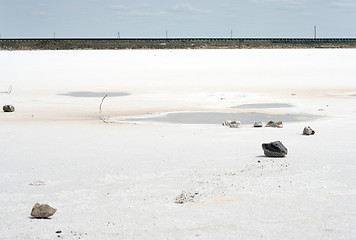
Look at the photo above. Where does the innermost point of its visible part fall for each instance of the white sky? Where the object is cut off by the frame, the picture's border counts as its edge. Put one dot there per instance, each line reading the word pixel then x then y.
pixel 187 18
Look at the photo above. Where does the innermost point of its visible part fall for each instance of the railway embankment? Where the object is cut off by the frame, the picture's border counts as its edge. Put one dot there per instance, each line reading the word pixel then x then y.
pixel 173 43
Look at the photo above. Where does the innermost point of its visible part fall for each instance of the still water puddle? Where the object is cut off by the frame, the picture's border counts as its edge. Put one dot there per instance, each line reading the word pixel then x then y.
pixel 219 117
pixel 264 105
pixel 94 94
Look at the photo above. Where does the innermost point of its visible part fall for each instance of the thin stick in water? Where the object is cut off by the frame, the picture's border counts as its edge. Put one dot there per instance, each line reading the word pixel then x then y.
pixel 102 100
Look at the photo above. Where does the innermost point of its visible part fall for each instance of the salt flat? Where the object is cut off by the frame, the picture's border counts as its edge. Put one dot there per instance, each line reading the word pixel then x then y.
pixel 116 175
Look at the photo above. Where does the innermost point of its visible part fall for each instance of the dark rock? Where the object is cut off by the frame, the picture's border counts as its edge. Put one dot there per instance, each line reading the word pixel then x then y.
pixel 59 231
pixel 8 108
pixel 308 131
pixel 274 149
pixel 42 211
pixel 258 124
pixel 278 124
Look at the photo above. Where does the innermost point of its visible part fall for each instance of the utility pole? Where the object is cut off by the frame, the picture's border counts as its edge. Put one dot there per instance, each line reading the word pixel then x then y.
pixel 118 34
pixel 314 31
pixel 231 34
pixel 166 34
pixel 54 35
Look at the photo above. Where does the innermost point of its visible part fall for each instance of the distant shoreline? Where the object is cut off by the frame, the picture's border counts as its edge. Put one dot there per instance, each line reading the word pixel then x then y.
pixel 172 43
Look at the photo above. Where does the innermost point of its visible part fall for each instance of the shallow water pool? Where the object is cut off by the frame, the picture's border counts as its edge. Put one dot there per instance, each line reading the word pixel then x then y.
pixel 94 94
pixel 219 117
pixel 264 105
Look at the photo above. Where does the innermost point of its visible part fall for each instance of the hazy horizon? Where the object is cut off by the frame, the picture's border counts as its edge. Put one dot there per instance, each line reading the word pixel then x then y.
pixel 181 19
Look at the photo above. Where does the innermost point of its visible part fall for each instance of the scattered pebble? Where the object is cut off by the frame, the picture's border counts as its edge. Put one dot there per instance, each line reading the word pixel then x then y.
pixel 185 197
pixel 258 124
pixel 232 124
pixel 38 183
pixel 273 124
pixel 308 131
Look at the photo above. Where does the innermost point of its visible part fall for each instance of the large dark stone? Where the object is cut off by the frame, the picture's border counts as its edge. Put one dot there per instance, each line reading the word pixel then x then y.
pixel 42 211
pixel 8 108
pixel 274 149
